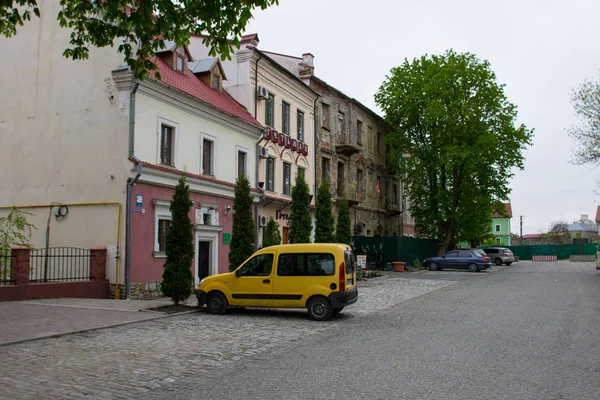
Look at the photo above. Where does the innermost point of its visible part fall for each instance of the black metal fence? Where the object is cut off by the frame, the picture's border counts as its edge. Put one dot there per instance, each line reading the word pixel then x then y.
pixel 5 267
pixel 59 264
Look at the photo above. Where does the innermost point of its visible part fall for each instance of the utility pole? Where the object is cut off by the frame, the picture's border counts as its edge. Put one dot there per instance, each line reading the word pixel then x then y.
pixel 521 228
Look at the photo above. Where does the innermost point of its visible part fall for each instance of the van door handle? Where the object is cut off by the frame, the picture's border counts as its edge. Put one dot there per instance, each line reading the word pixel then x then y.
pixel 267 281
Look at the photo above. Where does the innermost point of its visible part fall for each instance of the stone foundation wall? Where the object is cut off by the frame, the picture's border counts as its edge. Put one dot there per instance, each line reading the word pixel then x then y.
pixel 139 291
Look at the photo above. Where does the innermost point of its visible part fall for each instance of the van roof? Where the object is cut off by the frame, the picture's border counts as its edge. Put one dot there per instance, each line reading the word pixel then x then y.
pixel 304 246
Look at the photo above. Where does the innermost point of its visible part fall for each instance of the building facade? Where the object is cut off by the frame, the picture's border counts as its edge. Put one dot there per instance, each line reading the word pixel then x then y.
pixel 501 226
pixel 281 102
pixel 94 155
pixel 350 154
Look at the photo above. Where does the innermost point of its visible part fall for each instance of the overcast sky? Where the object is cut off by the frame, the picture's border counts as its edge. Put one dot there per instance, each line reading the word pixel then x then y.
pixel 539 49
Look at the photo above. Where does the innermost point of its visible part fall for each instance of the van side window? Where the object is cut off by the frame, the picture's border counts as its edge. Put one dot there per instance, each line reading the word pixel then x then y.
pixel 302 264
pixel 260 265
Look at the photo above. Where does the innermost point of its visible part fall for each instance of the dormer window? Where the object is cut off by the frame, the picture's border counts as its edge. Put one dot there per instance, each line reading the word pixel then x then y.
pixel 216 82
pixel 179 63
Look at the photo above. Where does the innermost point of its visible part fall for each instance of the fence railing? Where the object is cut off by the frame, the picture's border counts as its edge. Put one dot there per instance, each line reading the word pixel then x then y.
pixel 59 264
pixel 5 271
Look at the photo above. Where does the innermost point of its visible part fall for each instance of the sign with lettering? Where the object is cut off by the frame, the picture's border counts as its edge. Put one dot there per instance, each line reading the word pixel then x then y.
pixel 285 140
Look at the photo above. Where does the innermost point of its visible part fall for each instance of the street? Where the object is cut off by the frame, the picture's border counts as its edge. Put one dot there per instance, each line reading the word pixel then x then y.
pixel 527 331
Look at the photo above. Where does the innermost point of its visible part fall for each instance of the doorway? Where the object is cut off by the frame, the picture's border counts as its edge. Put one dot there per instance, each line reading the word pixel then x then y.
pixel 284 236
pixel 203 259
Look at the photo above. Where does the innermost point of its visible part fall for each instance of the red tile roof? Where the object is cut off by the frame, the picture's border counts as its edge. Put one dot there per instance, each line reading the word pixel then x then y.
pixel 508 211
pixel 194 86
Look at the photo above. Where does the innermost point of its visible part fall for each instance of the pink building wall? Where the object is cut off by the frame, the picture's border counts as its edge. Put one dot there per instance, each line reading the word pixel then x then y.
pixel 145 267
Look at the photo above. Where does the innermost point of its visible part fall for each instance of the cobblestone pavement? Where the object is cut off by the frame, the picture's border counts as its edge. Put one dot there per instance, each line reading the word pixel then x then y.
pixel 528 331
pixel 135 360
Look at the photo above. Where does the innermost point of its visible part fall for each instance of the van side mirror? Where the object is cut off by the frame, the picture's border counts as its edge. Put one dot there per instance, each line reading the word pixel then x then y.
pixel 238 273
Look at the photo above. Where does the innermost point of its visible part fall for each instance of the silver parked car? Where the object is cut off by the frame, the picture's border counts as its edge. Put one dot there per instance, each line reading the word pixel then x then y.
pixel 500 255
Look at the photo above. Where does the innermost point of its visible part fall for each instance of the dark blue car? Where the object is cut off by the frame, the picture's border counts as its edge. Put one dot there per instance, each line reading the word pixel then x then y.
pixel 469 259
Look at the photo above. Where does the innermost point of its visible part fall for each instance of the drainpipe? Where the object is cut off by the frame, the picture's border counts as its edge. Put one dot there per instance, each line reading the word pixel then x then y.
pixel 315 146
pixel 257 173
pixel 130 183
pixel 256 84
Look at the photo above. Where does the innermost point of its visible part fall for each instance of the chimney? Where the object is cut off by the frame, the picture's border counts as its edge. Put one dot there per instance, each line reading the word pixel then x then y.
pixel 307 67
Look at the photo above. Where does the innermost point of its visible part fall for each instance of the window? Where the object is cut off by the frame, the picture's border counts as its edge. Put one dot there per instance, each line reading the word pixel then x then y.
pixel 497 240
pixel 340 179
pixel 358 131
pixel 285 118
pixel 241 163
pixel 163 228
pixel 497 228
pixel 395 194
pixel 286 178
pixel 167 138
pixel 379 143
pixel 370 138
pixel 299 264
pixel 216 82
pixel 452 254
pixel 302 173
pixel 300 125
pixel 260 265
pixel 179 63
pixel 342 125
pixel 207 157
pixel 270 111
pixel 270 174
pixel 359 178
pixel 325 168
pixel 326 116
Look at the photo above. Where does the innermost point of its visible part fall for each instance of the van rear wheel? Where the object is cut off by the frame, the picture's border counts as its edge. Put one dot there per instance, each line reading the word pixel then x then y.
pixel 216 303
pixel 498 261
pixel 319 308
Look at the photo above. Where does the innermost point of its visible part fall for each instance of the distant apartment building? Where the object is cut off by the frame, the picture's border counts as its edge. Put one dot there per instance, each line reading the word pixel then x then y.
pixel 351 153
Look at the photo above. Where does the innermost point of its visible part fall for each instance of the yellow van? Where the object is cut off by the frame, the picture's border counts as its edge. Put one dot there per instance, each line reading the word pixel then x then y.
pixel 320 277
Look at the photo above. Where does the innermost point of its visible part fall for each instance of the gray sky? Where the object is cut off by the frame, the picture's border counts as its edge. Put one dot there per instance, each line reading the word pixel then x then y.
pixel 540 49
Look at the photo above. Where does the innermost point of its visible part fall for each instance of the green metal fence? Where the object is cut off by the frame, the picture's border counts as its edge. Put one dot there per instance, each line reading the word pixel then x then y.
pixel 561 251
pixel 380 250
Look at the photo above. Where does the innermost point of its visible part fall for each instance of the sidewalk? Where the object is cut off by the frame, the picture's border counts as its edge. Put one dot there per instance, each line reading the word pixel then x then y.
pixel 35 319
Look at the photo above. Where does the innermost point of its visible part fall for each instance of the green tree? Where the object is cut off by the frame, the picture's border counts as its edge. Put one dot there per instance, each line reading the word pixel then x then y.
pixel 324 222
pixel 343 230
pixel 586 102
pixel 140 28
pixel 177 274
pixel 271 235
pixel 15 230
pixel 300 221
pixel 243 234
pixel 454 140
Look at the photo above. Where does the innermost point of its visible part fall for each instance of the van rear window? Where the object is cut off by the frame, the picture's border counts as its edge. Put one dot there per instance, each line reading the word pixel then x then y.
pixel 350 261
pixel 306 264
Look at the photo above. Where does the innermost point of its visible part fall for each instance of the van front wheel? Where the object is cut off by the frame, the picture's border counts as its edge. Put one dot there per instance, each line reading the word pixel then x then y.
pixel 216 303
pixel 319 308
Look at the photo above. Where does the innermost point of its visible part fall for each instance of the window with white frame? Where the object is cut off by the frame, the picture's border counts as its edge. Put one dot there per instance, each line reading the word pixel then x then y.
pixel 287 174
pixel 285 118
pixel 242 160
pixel 302 173
pixel 208 155
pixel 166 142
pixel 270 174
pixel 162 222
pixel 270 111
pixel 300 125
pixel 497 228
